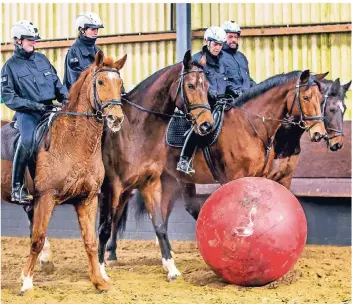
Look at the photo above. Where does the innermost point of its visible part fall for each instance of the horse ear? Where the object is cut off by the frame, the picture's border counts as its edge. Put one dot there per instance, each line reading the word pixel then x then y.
pixel 346 86
pixel 187 60
pixel 335 87
pixel 321 76
pixel 99 58
pixel 305 76
pixel 203 61
pixel 120 63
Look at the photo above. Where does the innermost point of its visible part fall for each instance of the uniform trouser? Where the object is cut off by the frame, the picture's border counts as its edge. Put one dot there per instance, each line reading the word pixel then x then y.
pixel 27 123
pixel 190 144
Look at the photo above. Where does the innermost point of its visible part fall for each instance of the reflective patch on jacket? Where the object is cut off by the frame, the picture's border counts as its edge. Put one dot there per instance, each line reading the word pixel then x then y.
pixel 4 80
pixel 74 62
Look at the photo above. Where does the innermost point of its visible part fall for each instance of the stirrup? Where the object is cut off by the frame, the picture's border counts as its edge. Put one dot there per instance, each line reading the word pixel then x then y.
pixel 21 195
pixel 185 166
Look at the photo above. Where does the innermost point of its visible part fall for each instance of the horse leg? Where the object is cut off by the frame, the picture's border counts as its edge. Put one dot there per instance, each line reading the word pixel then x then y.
pixel 86 212
pixel 112 243
pixel 42 213
pixel 152 195
pixel 45 256
pixel 193 204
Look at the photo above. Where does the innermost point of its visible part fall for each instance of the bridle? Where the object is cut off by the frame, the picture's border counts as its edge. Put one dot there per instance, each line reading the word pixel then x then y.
pixel 188 106
pixel 337 132
pixel 99 106
pixel 303 117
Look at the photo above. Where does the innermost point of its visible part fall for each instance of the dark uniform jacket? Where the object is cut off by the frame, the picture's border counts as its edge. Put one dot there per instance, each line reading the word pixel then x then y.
pixel 28 79
pixel 216 71
pixel 79 57
pixel 238 72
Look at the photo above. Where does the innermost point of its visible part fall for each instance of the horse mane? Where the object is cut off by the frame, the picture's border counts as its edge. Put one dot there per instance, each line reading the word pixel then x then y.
pixel 265 86
pixel 150 80
pixel 77 86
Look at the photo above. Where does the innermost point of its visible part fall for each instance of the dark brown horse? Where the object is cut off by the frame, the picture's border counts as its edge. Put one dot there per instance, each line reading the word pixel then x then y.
pixel 135 157
pixel 247 130
pixel 71 170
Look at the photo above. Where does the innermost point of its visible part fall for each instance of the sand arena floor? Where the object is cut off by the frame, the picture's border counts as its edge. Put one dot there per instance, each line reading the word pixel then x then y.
pixel 322 275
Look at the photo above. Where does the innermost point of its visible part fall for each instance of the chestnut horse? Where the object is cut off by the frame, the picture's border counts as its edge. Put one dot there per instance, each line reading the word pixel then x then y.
pixel 71 170
pixel 244 141
pixel 135 157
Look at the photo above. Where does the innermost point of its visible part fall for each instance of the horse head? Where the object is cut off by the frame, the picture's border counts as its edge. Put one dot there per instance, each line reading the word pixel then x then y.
pixel 305 103
pixel 107 89
pixel 193 97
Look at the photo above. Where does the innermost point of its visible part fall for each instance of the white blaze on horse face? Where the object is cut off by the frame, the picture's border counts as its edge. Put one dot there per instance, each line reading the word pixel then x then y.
pixel 27 282
pixel 340 105
pixel 112 75
pixel 170 267
pixel 103 273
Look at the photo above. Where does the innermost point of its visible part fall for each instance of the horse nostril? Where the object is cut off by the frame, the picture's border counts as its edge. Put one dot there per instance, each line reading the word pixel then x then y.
pixel 339 146
pixel 205 127
pixel 111 117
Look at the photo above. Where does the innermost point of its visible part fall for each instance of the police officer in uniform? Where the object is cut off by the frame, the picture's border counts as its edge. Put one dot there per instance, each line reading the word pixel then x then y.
pixel 216 71
pixel 82 53
pixel 238 63
pixel 28 83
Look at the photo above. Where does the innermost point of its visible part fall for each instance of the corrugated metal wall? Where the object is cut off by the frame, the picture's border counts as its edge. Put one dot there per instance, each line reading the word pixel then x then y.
pixel 57 20
pixel 255 14
pixel 267 56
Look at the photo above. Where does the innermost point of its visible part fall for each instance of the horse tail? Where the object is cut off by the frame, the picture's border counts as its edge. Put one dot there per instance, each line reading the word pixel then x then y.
pixel 140 210
pixel 121 224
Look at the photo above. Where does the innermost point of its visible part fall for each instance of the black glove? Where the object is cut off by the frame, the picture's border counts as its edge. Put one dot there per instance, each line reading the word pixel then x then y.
pixel 65 102
pixel 235 93
pixel 212 94
pixel 40 107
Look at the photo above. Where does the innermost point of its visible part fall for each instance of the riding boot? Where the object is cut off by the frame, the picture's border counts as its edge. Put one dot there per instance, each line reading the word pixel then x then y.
pixel 185 162
pixel 19 192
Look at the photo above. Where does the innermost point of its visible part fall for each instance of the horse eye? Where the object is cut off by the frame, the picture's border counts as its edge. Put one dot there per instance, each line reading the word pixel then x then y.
pixel 191 86
pixel 305 98
pixel 100 82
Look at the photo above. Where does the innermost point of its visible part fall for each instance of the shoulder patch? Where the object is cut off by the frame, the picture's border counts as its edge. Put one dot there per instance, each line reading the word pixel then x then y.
pixel 73 62
pixel 4 80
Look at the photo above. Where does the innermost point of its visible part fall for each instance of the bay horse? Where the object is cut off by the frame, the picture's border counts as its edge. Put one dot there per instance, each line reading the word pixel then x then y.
pixel 71 170
pixel 287 151
pixel 243 146
pixel 135 157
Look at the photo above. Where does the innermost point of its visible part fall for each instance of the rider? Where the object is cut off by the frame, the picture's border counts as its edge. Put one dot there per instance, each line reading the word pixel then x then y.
pixel 28 83
pixel 82 53
pixel 216 71
pixel 238 72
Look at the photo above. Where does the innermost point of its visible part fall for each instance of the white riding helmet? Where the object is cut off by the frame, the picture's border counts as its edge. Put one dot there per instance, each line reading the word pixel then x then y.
pixel 231 27
pixel 215 33
pixel 24 29
pixel 88 19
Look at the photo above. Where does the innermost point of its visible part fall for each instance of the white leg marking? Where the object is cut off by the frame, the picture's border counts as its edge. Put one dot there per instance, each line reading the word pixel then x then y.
pixel 169 265
pixel 27 282
pixel 103 273
pixel 45 255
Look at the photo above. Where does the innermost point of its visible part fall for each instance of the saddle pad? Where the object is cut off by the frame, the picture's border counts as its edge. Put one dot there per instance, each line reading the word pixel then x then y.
pixel 9 139
pixel 178 129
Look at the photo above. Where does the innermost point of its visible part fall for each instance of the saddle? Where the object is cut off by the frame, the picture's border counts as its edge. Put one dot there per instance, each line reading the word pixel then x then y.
pixel 178 129
pixel 10 137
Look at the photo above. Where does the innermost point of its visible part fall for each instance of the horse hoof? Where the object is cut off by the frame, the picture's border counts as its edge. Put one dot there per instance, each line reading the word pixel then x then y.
pixel 111 263
pixel 21 294
pixel 173 277
pixel 103 291
pixel 47 267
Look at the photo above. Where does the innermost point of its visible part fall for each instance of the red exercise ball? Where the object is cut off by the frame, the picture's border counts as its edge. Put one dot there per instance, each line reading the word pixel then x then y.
pixel 251 231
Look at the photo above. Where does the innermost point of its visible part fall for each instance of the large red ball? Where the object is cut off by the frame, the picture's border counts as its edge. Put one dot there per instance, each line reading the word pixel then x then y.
pixel 251 231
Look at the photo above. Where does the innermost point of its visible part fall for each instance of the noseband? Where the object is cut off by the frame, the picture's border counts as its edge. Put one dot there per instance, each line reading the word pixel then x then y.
pixel 99 106
pixel 188 106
